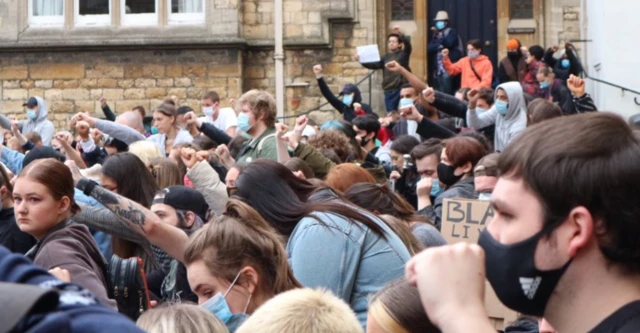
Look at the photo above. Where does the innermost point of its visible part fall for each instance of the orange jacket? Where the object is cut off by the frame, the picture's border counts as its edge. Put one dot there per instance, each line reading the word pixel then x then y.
pixel 469 80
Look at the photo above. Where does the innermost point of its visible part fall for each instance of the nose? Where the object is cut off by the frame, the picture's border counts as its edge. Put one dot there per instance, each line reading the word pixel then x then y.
pixel 21 208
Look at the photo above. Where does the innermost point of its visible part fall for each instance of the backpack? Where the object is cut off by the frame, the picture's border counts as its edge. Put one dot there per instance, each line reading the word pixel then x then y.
pixel 460 45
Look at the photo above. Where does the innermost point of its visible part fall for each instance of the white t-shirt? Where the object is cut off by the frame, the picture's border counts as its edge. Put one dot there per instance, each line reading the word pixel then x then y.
pixel 226 118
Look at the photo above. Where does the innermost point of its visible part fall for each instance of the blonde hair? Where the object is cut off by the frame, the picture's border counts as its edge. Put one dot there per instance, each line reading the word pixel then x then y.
pixel 166 172
pixel 180 318
pixel 145 151
pixel 239 238
pixel 303 311
pixel 259 101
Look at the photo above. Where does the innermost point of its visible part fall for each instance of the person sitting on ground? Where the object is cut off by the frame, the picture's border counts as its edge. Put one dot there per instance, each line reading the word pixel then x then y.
pixel 554 90
pixel 540 110
pixel 180 318
pixel 476 68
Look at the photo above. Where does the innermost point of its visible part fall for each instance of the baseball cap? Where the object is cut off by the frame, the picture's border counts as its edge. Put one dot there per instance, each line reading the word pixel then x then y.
pixel 184 198
pixel 31 102
pixel 40 153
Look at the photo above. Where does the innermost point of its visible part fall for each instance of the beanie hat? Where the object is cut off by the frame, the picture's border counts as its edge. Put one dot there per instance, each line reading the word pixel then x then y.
pixel 513 44
pixel 40 153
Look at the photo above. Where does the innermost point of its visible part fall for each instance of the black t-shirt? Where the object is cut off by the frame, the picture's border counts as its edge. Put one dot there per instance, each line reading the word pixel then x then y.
pixel 625 320
pixel 11 236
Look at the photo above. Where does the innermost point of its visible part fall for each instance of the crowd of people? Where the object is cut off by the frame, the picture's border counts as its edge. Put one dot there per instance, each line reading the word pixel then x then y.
pixel 239 223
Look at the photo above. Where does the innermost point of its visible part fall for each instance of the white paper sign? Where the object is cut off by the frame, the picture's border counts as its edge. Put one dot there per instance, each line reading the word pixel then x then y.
pixel 368 53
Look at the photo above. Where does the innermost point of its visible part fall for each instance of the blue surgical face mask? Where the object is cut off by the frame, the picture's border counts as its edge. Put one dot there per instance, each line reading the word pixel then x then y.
pixel 243 122
pixel 154 130
pixel 32 115
pixel 480 110
pixel 473 54
pixel 218 306
pixel 544 85
pixel 484 196
pixel 502 107
pixel 440 25
pixel 406 102
pixel 347 99
pixel 565 63
pixel 435 188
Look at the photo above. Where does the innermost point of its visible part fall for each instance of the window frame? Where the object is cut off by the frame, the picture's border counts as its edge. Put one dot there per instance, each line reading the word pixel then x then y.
pixel 145 19
pixel 185 18
pixel 97 20
pixel 45 21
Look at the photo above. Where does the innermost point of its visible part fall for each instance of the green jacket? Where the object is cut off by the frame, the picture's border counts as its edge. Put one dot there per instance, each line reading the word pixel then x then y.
pixel 262 147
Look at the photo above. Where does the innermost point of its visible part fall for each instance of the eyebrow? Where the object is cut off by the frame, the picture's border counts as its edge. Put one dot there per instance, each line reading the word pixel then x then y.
pixel 26 195
pixel 499 205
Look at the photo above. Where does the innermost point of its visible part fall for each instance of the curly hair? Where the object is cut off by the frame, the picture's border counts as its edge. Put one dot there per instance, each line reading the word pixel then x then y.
pixel 332 140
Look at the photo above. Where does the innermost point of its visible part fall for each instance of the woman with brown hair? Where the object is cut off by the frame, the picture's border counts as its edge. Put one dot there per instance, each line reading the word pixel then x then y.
pixel 380 200
pixel 343 176
pixel 44 205
pixel 166 172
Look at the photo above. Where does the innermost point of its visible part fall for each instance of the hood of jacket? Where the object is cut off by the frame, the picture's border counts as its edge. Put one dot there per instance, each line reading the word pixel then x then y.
pixel 352 88
pixel 80 233
pixel 515 120
pixel 43 110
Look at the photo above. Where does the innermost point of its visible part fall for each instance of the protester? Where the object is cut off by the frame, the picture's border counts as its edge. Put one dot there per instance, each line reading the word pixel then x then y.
pixel 166 172
pixel 400 51
pixel 555 90
pixel 11 237
pixel 426 157
pixel 529 82
pixel 36 121
pixel 567 65
pixel 402 146
pixel 509 113
pixel 475 69
pixel 257 117
pixel 180 318
pixel 44 207
pixel 350 97
pixel 582 101
pixel 540 110
pixel 367 128
pixel 513 67
pixel 485 176
pixel 343 176
pixel 397 308
pixel 224 119
pixel 455 171
pixel 303 311
pixel 586 235
pixel 443 37
pixel 331 244
pixel 299 168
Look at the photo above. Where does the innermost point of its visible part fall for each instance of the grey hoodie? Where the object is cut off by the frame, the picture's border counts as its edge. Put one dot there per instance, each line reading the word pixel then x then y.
pixel 507 126
pixel 41 125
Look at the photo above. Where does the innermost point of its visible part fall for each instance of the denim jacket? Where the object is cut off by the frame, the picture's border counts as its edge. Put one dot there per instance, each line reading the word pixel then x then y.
pixel 346 258
pixel 13 160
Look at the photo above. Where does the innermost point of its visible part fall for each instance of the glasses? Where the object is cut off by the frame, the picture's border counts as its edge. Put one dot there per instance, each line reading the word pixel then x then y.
pixel 231 191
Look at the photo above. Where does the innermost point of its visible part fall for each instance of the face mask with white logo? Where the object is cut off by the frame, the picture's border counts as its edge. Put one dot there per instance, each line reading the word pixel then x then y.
pixel 512 272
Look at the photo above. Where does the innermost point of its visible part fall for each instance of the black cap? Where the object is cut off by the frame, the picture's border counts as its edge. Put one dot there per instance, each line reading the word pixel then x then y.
pixel 31 102
pixel 117 144
pixel 40 153
pixel 184 198
pixel 183 110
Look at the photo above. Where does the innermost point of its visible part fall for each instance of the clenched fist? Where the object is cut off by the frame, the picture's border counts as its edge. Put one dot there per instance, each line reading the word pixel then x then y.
pixel 445 53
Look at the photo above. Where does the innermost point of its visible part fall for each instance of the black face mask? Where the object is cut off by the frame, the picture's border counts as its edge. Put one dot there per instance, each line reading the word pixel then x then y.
pixel 446 174
pixel 364 141
pixel 513 275
pixel 512 54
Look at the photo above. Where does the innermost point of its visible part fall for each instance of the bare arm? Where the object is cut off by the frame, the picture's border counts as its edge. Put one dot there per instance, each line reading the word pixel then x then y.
pixel 168 238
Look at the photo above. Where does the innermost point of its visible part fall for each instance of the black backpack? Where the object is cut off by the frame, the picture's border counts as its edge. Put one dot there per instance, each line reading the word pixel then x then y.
pixel 127 285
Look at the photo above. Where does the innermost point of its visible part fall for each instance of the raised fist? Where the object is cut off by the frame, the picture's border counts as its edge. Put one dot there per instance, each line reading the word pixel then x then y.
pixel 317 69
pixel 445 53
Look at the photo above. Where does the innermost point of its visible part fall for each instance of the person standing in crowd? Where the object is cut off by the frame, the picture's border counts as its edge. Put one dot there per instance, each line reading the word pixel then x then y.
pixel 568 241
pixel 399 51
pixel 512 67
pixel 476 68
pixel 443 37
pixel 529 82
pixel 224 119
pixel 350 96
pixel 459 157
pixel 11 237
pixel 44 207
pixel 257 118
pixel 36 121
pixel 554 90
pixel 509 113
pixel 567 65
pixel 367 128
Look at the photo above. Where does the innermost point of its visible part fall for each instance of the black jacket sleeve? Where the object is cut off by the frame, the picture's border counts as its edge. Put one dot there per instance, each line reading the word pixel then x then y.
pixel 564 98
pixel 217 135
pixel 450 105
pixel 331 98
pixel 405 56
pixel 109 115
pixel 428 129
pixel 97 156
pixel 584 104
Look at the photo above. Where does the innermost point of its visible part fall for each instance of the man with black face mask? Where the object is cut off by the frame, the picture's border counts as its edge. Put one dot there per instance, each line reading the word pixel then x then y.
pixel 563 243
pixel 367 128
pixel 512 67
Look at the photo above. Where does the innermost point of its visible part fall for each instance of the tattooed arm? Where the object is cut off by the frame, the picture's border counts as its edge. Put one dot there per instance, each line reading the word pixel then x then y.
pixel 168 238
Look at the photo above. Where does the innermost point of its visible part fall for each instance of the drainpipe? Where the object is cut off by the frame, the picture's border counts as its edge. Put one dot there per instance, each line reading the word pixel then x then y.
pixel 278 56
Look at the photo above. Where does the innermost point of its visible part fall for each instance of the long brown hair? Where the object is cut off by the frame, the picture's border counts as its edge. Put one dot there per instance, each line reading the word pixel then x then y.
pixel 241 237
pixel 402 229
pixel 380 199
pixel 55 176
pixel 166 172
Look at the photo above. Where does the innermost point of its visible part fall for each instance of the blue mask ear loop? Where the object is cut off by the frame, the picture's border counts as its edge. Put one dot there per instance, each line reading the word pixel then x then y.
pixel 231 286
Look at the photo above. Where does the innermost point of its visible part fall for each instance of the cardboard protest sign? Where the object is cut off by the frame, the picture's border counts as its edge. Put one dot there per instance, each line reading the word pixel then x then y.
pixel 462 221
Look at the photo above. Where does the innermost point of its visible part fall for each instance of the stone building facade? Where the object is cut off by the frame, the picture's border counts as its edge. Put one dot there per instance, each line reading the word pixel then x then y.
pixel 227 47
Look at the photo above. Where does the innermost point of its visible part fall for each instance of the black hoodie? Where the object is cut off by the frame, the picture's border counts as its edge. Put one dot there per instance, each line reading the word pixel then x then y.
pixel 11 236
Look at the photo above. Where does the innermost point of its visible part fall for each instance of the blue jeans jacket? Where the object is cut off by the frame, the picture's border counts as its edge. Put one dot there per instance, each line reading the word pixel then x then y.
pixel 346 258
pixel 13 160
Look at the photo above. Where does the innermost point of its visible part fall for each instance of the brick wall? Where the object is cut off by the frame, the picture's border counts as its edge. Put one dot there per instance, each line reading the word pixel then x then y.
pixel 73 82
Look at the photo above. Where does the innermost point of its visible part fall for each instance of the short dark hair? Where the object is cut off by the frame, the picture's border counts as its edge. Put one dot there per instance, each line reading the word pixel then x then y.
pixel 407 85
pixel 594 165
pixel 368 123
pixel 183 110
pixel 211 95
pixel 540 110
pixel 545 70
pixel 487 95
pixel 476 43
pixel 488 146
pixel 204 142
pixel 404 144
pixel 537 51
pixel 430 147
pixel 396 35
